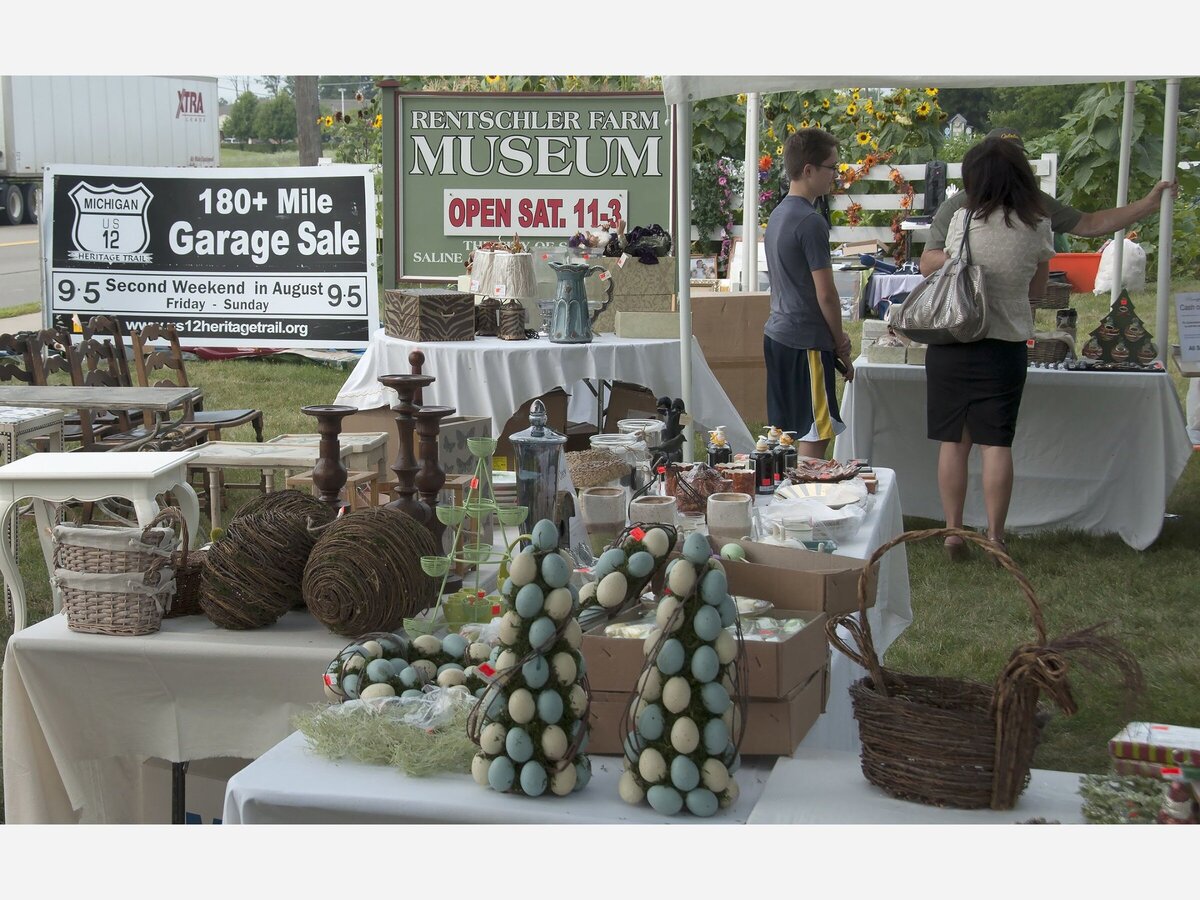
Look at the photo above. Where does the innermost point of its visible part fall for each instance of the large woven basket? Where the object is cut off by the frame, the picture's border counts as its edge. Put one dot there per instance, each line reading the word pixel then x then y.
pixel 1050 350
pixel 1058 296
pixel 189 567
pixel 950 742
pixel 117 580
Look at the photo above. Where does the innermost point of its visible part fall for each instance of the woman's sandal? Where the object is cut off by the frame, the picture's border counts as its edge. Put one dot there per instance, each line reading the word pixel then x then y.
pixel 1002 546
pixel 958 551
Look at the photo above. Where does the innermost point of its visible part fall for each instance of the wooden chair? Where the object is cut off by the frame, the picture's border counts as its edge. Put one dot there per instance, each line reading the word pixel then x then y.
pixel 109 328
pixel 164 368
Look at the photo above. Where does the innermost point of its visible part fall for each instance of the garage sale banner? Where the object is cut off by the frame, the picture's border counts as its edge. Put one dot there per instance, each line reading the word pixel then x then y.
pixel 256 258
pixel 465 168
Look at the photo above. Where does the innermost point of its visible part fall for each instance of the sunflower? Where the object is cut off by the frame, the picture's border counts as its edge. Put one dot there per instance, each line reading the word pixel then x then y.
pixel 492 79
pixel 791 129
pixel 922 110
pixel 771 133
pixel 804 124
pixel 843 167
pixel 741 98
pixel 378 121
pixel 806 104
pixel 852 110
pixel 869 106
pixel 825 103
pixel 854 93
pixel 882 117
pixel 863 137
pixel 931 92
pixel 779 149
pixel 329 121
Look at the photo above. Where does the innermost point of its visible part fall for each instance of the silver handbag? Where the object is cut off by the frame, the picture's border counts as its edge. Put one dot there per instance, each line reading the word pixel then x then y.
pixel 949 306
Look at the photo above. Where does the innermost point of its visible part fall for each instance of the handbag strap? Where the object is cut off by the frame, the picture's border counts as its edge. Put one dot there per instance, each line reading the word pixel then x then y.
pixel 964 249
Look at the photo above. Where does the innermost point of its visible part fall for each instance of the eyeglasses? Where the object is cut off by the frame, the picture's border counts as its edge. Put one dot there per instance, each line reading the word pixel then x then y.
pixel 835 166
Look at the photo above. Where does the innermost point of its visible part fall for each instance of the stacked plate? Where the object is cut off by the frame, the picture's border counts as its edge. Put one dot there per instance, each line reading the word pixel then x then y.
pixel 835 494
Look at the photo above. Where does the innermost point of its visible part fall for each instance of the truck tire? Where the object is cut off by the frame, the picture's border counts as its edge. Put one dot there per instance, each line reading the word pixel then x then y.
pixel 14 204
pixel 33 203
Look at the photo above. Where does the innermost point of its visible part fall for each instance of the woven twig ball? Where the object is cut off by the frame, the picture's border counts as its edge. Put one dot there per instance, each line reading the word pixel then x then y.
pixel 364 572
pixel 300 510
pixel 253 573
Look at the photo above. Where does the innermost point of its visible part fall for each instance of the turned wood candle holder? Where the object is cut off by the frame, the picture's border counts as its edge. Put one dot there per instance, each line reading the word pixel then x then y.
pixel 329 474
pixel 431 477
pixel 405 467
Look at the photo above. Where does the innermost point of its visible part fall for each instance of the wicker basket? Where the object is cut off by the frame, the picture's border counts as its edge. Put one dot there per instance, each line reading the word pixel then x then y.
pixel 1058 296
pixel 1050 350
pixel 188 569
pixel 949 742
pixel 117 580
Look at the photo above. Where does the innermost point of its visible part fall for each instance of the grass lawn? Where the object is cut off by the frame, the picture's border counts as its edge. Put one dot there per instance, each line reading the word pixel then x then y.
pixel 232 157
pixel 967 618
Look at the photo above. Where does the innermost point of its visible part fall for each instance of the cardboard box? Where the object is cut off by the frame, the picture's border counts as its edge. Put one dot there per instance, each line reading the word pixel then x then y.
pixel 203 792
pixel 802 580
pixel 632 324
pixel 729 329
pixel 853 248
pixel 914 354
pixel 774 668
pixel 879 354
pixel 773 727
pixel 628 401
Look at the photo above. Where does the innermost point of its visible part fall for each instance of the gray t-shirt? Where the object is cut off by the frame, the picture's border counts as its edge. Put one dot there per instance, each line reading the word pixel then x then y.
pixel 797 244
pixel 1062 218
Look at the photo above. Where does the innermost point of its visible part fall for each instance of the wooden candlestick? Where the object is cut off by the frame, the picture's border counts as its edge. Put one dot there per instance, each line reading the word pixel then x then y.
pixel 416 360
pixel 405 467
pixel 431 477
pixel 329 474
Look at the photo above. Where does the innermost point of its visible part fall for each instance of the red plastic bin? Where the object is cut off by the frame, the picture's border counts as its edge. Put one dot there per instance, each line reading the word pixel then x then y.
pixel 1081 269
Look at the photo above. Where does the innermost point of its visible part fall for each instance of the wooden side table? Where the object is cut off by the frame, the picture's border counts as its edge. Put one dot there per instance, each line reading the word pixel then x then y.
pixel 57 477
pixel 367 449
pixel 18 425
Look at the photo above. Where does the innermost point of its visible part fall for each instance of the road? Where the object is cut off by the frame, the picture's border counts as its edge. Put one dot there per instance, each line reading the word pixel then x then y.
pixel 19 278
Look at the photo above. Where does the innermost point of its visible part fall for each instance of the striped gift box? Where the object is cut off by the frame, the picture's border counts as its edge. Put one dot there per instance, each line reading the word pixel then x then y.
pixel 1153 742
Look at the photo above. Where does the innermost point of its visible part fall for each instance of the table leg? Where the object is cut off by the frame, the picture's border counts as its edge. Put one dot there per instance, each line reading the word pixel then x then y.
pixel 12 575
pixel 179 793
pixel 269 480
pixel 44 516
pixel 214 498
pixel 189 505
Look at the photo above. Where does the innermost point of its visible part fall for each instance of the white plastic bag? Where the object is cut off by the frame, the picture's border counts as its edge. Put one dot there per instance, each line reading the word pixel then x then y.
pixel 1133 268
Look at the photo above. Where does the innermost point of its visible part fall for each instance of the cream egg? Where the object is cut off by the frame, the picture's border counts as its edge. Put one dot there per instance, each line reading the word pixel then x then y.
pixel 521 708
pixel 491 739
pixel 649 685
pixel 554 742
pixel 523 569
pixel 685 736
pixel 372 691
pixel 628 788
pixel 562 783
pixel 651 766
pixel 611 591
pixel 682 579
pixel 427 644
pixel 426 669
pixel 676 694
pixel 451 678
pixel 558 604
pixel 564 668
pixel 714 775
pixel 578 700
pixel 479 769
pixel 656 542
pixel 667 608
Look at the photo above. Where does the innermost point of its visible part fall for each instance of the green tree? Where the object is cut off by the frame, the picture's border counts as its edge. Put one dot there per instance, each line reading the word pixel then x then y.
pixel 273 84
pixel 240 124
pixel 275 119
pixel 1033 111
pixel 972 104
pixel 330 87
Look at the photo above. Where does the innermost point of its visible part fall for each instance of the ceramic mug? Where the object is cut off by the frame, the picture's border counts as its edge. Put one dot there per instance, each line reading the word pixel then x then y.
pixel 654 510
pixel 729 516
pixel 603 512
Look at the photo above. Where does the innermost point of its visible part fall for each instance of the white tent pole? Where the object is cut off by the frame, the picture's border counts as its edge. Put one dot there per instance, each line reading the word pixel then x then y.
pixel 750 198
pixel 683 218
pixel 1166 216
pixel 1118 271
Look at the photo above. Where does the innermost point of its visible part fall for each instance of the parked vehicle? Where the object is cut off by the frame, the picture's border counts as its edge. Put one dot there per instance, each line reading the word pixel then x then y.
pixel 98 120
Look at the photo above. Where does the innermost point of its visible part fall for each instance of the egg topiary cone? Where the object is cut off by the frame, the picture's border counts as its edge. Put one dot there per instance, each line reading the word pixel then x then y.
pixel 684 720
pixel 531 722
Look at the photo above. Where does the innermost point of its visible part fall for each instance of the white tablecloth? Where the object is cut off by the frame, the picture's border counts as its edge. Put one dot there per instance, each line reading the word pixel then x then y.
pixel 491 377
pixel 1095 451
pixel 82 711
pixel 291 785
pixel 826 787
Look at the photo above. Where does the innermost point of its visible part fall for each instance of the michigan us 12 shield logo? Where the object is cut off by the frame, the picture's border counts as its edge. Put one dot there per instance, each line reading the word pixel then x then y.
pixel 110 223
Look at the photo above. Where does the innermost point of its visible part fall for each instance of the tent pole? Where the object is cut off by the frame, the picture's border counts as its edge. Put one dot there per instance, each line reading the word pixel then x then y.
pixel 683 216
pixel 1118 270
pixel 750 198
pixel 1166 216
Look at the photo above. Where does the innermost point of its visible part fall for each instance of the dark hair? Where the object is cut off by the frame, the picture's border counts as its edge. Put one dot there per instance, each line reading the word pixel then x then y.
pixel 806 146
pixel 996 175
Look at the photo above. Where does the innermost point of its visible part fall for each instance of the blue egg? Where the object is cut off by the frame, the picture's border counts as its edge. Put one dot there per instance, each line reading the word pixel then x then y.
pixel 716 736
pixel 705 664
pixel 650 723
pixel 545 535
pixel 533 779
pixel 601 568
pixel 728 612
pixel 670 657
pixel 507 588
pixel 454 645
pixel 581 663
pixel 542 633
pixel 349 685
pixel 536 672
pixel 379 670
pixel 550 707
pixel 479 692
pixel 702 802
pixel 529 601
pixel 665 800
pixel 411 695
pixel 410 677
pixel 707 623
pixel 494 655
pixel 353 650
pixel 444 666
pixel 398 665
pixel 496 706
pixel 574 593
pixel 684 774
pixel 583 772
pixel 714 587
pixel 580 725
pixel 518 744
pixel 614 557
pixel 390 643
pixel 696 549
pixel 555 571
pixel 632 746
pixel 731 758
pixel 640 565
pixel 715 698
pixel 501 773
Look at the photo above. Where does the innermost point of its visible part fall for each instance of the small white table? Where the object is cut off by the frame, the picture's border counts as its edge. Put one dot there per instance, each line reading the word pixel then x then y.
pixel 56 477
pixel 367 449
pixel 827 787
pixel 490 377
pixel 289 784
pixel 217 455
pixel 18 425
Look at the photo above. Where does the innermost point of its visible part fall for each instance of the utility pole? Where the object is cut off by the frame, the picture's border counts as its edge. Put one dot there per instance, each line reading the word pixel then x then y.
pixel 308 132
pixel 343 90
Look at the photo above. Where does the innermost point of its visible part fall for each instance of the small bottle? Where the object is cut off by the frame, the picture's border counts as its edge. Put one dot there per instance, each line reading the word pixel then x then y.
pixel 785 455
pixel 764 467
pixel 719 450
pixel 773 436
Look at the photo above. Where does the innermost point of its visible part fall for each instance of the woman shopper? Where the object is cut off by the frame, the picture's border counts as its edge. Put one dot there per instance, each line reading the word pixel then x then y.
pixel 974 390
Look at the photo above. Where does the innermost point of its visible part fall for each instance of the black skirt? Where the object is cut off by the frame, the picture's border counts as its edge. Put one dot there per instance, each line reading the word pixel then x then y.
pixel 978 385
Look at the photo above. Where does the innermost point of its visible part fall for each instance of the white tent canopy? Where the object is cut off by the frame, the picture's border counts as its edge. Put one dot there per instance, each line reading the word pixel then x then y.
pixel 683 90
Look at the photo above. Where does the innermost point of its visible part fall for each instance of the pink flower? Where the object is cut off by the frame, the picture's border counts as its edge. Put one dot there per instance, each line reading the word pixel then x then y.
pixel 722 180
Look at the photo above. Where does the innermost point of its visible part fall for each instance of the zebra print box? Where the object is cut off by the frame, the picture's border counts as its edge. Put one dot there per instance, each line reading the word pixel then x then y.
pixel 429 314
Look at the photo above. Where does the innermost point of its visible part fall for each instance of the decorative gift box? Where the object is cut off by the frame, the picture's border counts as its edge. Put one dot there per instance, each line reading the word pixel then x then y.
pixel 637 287
pixel 429 314
pixel 1153 742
